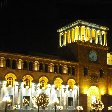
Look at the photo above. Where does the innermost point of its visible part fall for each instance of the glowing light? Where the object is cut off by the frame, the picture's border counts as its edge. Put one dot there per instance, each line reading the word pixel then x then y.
pixel 58 83
pixel 110 108
pixel 43 82
pixel 79 108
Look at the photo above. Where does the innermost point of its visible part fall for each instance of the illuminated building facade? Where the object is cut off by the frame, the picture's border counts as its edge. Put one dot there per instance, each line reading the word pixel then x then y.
pixel 81 74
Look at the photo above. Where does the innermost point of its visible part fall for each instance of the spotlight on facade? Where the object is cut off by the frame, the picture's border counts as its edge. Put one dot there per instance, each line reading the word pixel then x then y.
pixel 56 102
pixel 79 108
pixel 110 108
pixel 7 101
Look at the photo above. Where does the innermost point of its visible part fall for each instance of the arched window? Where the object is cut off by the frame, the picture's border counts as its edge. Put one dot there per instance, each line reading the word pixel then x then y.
pixel 20 64
pixel 56 69
pixel 62 40
pixel 36 65
pixel 30 66
pixel 101 72
pixel 65 69
pixel 60 69
pixel 71 83
pixel 51 67
pixel 73 70
pixel 43 82
pixel 14 64
pixel 69 70
pixel 58 83
pixel 8 63
pixel 41 67
pixel 10 78
pixel 2 62
pixel 46 67
pixel 25 65
pixel 85 71
pixel 102 39
pixel 27 80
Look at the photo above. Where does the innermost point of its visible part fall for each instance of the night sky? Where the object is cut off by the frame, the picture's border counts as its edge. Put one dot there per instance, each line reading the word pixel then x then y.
pixel 30 27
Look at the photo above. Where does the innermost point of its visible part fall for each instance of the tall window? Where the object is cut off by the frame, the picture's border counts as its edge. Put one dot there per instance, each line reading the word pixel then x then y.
pixel 73 70
pixel 36 65
pixel 8 63
pixel 98 39
pixel 93 40
pixel 62 40
pixel 65 69
pixel 41 67
pixel 2 61
pixel 103 39
pixel 30 66
pixel 70 101
pixel 101 72
pixel 20 64
pixel 56 69
pixel 13 64
pixel 69 70
pixel 25 65
pixel 46 67
pixel 60 69
pixel 85 71
pixel 51 67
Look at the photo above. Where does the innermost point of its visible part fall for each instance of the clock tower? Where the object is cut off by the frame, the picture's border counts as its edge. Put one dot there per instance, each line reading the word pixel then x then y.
pixel 83 41
pixel 86 44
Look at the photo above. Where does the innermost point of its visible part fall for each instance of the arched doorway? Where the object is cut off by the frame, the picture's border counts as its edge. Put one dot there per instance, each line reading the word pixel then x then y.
pixel 93 94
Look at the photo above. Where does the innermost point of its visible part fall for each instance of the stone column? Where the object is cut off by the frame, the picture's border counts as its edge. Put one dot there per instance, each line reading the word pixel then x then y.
pixel 105 38
pixel 69 39
pixel 79 35
pixel 96 36
pixel 82 33
pixel 85 33
pixel 76 33
pixel 73 35
pixel 100 38
pixel 91 35
pixel 60 34
pixel 64 38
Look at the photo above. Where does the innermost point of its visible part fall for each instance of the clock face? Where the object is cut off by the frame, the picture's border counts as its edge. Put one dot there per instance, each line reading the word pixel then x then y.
pixel 93 56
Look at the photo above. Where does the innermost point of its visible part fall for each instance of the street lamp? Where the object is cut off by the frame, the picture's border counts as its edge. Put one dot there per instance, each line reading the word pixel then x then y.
pixel 56 102
pixel 79 108
pixel 6 99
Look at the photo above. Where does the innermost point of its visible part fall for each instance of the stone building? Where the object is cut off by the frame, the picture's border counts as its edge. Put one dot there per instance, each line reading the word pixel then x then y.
pixel 80 74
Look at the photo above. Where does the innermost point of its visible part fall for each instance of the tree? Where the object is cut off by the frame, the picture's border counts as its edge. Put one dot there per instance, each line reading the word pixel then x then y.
pixel 97 105
pixel 40 101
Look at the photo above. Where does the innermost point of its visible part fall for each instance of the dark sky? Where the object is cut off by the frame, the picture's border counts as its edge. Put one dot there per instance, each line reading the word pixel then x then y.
pixel 31 26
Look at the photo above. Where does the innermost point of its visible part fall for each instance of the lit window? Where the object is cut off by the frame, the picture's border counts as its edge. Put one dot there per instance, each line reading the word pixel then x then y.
pixel 2 62
pixel 10 78
pixel 36 65
pixel 27 80
pixel 51 67
pixel 20 64
pixel 65 69
pixel 43 82
pixel 26 100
